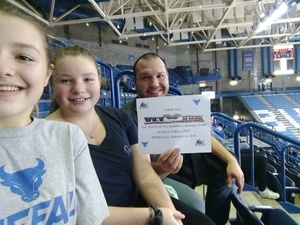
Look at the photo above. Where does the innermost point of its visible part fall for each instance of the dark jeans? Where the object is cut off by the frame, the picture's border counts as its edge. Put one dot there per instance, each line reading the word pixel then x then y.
pixel 192 215
pixel 260 168
pixel 205 168
pixel 218 199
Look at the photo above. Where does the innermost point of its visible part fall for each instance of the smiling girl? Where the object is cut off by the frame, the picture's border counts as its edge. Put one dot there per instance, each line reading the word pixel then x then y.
pixel 46 172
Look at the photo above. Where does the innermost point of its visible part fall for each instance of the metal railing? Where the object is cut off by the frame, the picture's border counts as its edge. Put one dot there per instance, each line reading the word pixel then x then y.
pixel 252 130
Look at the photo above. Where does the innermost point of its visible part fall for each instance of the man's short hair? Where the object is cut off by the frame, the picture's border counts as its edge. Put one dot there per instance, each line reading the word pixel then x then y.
pixel 148 56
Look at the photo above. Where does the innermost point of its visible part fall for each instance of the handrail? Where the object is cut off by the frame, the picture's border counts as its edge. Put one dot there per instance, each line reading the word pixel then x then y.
pixel 174 90
pixel 116 84
pixel 233 127
pixel 276 138
pixel 111 77
pixel 251 125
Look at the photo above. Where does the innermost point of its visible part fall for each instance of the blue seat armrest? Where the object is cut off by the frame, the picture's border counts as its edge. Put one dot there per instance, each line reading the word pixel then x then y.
pixel 261 208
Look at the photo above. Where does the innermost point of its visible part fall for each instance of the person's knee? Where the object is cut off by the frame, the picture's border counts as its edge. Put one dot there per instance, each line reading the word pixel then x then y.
pixel 186 194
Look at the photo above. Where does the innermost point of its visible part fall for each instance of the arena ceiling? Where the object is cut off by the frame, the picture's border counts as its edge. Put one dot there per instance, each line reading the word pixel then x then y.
pixel 208 25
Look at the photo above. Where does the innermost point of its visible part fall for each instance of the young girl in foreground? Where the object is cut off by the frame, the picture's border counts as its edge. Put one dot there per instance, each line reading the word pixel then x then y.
pixel 112 138
pixel 46 172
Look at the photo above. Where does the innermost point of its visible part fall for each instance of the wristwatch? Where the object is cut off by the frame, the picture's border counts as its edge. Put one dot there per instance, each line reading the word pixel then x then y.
pixel 159 217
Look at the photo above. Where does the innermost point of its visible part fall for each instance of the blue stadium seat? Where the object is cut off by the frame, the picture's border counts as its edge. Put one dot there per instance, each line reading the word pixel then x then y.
pixel 44 107
pixel 244 215
pixel 105 98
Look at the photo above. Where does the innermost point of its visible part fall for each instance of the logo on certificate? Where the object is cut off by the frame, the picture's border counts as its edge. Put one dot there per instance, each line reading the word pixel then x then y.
pixel 200 143
pixel 145 143
pixel 196 101
pixel 144 105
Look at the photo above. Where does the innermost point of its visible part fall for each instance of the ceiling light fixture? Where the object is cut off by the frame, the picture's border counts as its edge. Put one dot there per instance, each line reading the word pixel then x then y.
pixel 268 80
pixel 233 82
pixel 266 21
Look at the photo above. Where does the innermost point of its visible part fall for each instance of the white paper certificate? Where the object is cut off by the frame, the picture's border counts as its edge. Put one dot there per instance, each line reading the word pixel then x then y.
pixel 174 121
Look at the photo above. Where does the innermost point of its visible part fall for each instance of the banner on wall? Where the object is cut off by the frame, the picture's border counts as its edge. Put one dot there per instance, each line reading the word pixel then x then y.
pixel 248 60
pixel 131 57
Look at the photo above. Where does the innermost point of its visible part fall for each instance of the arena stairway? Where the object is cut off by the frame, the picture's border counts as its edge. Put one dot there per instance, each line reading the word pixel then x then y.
pixel 274 110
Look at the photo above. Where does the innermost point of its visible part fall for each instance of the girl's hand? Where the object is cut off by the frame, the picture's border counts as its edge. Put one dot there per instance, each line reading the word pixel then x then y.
pixel 172 217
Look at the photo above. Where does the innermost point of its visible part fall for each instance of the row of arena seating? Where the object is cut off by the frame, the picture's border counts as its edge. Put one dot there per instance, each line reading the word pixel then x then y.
pixel 44 103
pixel 274 145
pixel 105 98
pixel 282 178
pixel 292 174
pixel 288 108
pixel 295 96
pixel 258 212
pixel 180 75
